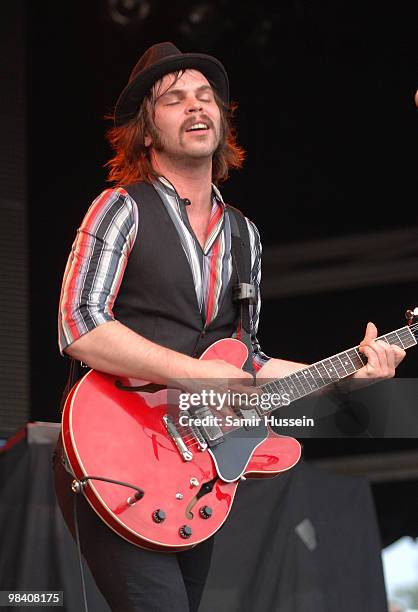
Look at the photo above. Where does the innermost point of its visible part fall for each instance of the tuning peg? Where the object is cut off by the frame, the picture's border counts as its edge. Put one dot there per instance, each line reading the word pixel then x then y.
pixel 411 314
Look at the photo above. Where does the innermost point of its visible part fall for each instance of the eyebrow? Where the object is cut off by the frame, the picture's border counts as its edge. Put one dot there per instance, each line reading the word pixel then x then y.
pixel 180 92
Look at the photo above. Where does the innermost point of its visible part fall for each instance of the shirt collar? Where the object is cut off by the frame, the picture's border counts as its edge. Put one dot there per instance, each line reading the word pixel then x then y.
pixel 171 190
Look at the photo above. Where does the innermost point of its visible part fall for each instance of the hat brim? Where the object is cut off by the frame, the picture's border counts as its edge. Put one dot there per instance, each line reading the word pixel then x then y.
pixel 132 96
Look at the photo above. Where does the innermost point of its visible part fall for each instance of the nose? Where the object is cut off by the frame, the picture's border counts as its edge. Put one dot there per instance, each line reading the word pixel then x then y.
pixel 194 105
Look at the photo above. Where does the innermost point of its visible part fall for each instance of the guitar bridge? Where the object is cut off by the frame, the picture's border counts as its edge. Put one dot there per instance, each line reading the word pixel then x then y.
pixel 176 437
pixel 201 442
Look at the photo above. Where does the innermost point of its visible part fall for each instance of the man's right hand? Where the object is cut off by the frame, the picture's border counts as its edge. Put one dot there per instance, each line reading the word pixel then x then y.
pixel 221 379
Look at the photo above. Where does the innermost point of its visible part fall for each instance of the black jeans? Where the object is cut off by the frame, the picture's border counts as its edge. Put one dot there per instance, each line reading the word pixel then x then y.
pixel 131 578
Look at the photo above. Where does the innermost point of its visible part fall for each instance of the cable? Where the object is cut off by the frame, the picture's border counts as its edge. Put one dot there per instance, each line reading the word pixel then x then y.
pixel 77 487
pixel 80 561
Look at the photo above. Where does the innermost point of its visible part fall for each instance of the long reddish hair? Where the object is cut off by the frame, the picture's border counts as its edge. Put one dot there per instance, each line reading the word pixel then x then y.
pixel 131 161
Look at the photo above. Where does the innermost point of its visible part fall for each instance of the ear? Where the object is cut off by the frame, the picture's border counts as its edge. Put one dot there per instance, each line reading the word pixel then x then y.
pixel 147 140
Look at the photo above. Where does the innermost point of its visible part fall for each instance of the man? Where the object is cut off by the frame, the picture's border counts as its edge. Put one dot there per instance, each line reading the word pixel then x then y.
pixel 148 286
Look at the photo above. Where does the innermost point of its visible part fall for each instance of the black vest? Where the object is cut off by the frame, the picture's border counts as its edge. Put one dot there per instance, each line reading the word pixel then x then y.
pixel 157 296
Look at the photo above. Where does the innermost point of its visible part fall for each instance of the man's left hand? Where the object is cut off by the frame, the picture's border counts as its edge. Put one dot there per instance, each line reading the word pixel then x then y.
pixel 382 358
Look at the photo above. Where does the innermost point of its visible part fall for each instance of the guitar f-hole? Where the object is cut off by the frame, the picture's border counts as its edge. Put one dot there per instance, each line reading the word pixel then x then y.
pixel 149 388
pixel 206 488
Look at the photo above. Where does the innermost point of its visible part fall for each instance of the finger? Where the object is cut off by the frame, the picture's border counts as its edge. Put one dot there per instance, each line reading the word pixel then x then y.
pixel 399 354
pixel 373 362
pixel 390 358
pixel 370 334
pixel 386 358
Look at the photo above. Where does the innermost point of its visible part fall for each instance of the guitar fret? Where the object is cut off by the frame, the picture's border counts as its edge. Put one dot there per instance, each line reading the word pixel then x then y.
pixel 341 369
pixel 292 389
pixel 268 387
pixel 333 373
pixel 331 370
pixel 323 372
pixel 393 338
pixel 347 363
pixel 362 357
pixel 355 358
pixel 280 387
pixel 274 386
pixel 350 356
pixel 312 380
pixel 298 384
pixel 305 384
pixel 293 392
pixel 288 387
pixel 320 381
pixel 408 337
pixel 404 333
pixel 271 388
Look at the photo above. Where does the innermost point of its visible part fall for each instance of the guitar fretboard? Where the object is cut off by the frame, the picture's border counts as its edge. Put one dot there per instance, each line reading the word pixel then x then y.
pixel 329 371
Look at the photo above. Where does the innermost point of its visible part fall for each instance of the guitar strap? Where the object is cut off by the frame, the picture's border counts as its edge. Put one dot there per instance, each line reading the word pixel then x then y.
pixel 244 292
pixel 74 374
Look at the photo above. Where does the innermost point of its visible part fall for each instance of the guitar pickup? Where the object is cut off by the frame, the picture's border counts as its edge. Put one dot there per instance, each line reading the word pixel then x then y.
pixel 208 426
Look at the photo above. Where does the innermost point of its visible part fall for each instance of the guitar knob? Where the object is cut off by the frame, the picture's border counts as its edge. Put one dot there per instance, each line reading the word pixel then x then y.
pixel 185 531
pixel 205 512
pixel 158 516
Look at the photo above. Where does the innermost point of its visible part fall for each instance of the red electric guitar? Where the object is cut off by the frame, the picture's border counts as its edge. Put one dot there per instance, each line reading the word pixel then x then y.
pixel 165 486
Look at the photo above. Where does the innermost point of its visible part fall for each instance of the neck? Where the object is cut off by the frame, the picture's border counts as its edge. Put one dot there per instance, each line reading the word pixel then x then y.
pixel 312 378
pixel 192 181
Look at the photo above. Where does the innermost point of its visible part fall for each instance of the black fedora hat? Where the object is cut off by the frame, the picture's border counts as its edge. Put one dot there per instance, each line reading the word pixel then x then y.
pixel 157 61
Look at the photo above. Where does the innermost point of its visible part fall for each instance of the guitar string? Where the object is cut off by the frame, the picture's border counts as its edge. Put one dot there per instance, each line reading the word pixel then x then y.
pixel 189 437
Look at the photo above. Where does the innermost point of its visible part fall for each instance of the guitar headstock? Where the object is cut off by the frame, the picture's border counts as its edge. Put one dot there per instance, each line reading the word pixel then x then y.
pixel 412 318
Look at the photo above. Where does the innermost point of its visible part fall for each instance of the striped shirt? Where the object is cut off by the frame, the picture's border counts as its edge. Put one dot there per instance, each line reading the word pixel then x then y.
pixel 101 249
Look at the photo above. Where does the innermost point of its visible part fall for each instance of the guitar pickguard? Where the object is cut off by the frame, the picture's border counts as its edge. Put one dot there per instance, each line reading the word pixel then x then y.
pixel 232 456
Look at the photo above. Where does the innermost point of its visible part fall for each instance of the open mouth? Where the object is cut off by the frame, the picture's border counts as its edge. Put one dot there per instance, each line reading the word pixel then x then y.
pixel 198 127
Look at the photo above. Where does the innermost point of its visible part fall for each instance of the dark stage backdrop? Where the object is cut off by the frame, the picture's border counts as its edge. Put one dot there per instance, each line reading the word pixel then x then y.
pixel 306 541
pixel 327 116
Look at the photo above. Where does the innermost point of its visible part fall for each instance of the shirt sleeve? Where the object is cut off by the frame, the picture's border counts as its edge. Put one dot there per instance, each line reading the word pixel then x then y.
pixel 96 265
pixel 259 358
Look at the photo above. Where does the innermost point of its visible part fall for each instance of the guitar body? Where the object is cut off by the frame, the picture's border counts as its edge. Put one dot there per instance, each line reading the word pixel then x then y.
pixel 112 431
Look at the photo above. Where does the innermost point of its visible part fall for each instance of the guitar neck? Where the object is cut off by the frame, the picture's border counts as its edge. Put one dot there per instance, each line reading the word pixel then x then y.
pixel 328 371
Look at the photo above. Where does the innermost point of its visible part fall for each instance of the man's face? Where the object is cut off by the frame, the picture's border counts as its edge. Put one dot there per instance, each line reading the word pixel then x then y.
pixel 187 117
